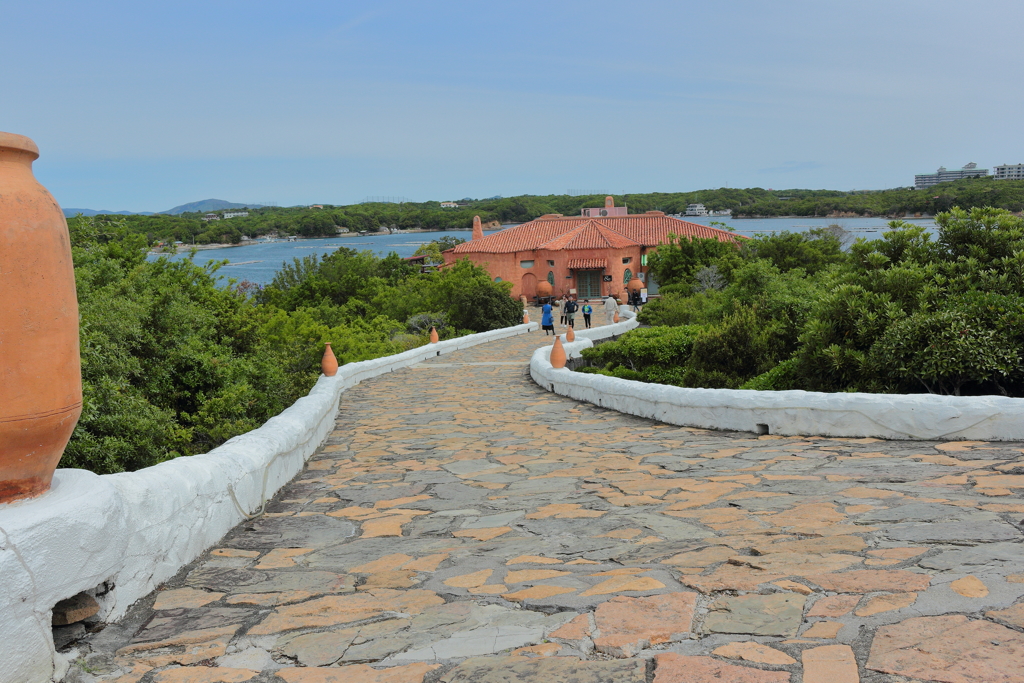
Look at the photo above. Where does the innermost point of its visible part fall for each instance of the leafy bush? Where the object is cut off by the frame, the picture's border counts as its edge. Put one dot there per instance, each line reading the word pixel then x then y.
pixel 904 313
pixel 422 322
pixel 644 347
pixel 810 251
pixel 780 378
pixel 174 363
pixel 482 306
pixel 171 364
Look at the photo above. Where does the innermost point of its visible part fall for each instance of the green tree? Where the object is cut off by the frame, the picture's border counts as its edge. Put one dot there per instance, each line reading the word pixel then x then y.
pixel 679 261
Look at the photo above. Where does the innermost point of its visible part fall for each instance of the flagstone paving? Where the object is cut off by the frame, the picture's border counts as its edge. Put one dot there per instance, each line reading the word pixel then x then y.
pixel 461 524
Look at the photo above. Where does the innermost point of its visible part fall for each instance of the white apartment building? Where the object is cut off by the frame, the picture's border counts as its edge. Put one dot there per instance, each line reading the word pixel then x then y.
pixel 696 210
pixel 1009 172
pixel 235 214
pixel 944 176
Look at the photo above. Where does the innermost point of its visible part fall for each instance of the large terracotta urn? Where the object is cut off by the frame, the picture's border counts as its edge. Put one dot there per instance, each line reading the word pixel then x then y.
pixel 635 285
pixel 329 362
pixel 544 288
pixel 40 370
pixel 557 357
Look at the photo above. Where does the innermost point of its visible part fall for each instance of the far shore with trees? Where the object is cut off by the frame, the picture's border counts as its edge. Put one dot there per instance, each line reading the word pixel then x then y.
pixel 752 202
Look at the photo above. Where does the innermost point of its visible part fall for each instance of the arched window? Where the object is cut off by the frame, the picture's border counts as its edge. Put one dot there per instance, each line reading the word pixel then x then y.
pixel 497 279
pixel 551 277
pixel 627 276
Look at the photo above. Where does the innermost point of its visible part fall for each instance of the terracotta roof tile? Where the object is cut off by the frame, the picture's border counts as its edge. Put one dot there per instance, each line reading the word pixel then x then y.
pixel 588 263
pixel 590 235
pixel 580 232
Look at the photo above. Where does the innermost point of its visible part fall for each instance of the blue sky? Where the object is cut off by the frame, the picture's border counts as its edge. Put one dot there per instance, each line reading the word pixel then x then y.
pixel 143 106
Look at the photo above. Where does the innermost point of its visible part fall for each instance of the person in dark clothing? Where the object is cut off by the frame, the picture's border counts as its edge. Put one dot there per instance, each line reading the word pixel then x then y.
pixel 570 312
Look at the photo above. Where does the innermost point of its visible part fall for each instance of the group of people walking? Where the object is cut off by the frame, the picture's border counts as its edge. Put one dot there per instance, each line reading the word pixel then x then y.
pixel 568 307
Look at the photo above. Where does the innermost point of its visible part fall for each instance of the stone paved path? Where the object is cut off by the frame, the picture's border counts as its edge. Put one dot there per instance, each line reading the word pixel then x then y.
pixel 461 525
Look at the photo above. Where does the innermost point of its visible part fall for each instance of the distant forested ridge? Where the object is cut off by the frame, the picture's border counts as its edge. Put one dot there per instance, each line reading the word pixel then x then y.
pixel 328 220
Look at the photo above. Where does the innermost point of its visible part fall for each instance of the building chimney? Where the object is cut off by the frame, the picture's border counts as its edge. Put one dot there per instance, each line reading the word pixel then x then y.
pixel 478 229
pixel 609 202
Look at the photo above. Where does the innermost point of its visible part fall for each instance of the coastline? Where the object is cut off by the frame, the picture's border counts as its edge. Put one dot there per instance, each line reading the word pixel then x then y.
pixel 922 217
pixel 215 245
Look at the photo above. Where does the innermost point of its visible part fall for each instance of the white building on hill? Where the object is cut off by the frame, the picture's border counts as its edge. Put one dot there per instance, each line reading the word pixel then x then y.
pixel 943 175
pixel 1009 172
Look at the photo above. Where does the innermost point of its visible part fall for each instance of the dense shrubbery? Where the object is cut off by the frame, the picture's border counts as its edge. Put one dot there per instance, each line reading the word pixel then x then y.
pixel 904 313
pixel 174 363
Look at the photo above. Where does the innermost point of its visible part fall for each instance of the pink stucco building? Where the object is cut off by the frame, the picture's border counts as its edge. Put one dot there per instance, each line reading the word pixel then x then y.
pixel 592 254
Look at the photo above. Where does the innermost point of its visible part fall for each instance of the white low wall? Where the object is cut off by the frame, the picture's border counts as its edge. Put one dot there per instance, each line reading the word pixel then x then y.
pixel 789 413
pixel 126 533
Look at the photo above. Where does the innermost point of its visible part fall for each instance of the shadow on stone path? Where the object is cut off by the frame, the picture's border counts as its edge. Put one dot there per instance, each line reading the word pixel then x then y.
pixel 461 524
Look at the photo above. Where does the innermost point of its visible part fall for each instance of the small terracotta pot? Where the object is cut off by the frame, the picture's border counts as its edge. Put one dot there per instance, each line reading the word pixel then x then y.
pixel 433 336
pixel 526 318
pixel 558 353
pixel 570 335
pixel 329 363
pixel 615 318
pixel 40 369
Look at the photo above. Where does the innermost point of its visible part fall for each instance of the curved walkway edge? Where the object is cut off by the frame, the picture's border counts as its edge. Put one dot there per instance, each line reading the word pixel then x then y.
pixel 462 524
pixel 789 413
pixel 119 536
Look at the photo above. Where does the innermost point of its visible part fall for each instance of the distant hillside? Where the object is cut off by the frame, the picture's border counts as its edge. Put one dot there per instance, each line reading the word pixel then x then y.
pixel 93 212
pixel 208 205
pixel 203 206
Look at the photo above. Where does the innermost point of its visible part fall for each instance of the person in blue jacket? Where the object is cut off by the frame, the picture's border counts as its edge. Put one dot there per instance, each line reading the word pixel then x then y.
pixel 547 321
pixel 588 310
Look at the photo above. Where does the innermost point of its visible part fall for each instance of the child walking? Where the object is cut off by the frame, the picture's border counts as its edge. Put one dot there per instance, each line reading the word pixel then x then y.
pixel 547 321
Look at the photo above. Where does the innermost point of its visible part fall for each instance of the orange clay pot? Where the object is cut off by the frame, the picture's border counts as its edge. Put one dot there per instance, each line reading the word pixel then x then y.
pixel 329 363
pixel 615 318
pixel 635 285
pixel 433 336
pixel 557 353
pixel 40 369
pixel 543 288
pixel 526 318
pixel 570 335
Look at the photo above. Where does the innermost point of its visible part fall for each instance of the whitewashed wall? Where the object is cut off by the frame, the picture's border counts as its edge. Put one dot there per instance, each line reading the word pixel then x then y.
pixel 129 532
pixel 788 413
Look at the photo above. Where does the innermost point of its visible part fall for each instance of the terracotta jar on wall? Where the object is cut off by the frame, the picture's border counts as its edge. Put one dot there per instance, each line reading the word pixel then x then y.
pixel 40 369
